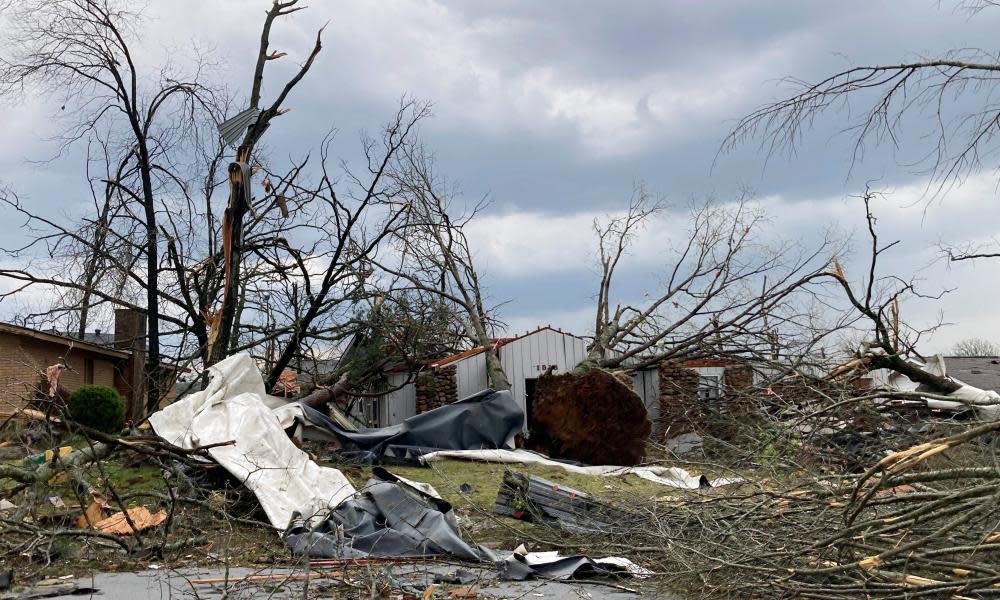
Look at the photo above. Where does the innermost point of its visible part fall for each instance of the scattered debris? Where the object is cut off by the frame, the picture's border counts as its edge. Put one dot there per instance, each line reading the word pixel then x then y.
pixel 52 373
pixel 48 455
pixel 684 444
pixel 95 512
pixel 593 418
pixel 274 577
pixel 669 476
pixel 287 386
pixel 460 577
pixel 488 419
pixel 56 501
pixel 537 500
pixel 6 505
pixel 140 516
pixel 51 588
pixel 390 517
pixel 232 408
pixel 523 565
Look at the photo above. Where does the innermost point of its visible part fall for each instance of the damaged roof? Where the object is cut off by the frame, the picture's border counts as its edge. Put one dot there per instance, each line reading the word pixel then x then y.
pixel 982 372
pixel 499 343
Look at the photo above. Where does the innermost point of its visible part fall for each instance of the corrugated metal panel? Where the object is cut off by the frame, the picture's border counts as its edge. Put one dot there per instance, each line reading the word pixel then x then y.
pixel 470 375
pixel 527 357
pixel 647 386
pixel 233 128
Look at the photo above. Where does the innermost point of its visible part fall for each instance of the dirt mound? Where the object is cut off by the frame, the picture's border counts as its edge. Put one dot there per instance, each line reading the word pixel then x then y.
pixel 592 418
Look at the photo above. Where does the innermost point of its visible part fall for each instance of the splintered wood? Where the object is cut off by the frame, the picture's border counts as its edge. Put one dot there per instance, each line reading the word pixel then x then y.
pixel 140 516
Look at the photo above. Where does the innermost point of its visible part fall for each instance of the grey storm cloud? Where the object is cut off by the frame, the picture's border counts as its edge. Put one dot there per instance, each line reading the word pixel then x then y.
pixel 556 108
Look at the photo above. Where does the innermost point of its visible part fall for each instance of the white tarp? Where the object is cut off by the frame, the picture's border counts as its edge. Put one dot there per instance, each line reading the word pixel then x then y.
pixel 985 403
pixel 234 406
pixel 671 476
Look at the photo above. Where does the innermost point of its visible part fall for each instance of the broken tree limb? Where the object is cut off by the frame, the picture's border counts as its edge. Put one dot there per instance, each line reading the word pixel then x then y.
pixel 321 397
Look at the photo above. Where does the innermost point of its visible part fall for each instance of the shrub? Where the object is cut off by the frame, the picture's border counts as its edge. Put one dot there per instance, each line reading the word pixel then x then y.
pixel 98 407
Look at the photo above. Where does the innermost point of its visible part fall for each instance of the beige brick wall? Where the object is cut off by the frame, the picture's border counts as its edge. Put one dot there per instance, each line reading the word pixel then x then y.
pixel 23 359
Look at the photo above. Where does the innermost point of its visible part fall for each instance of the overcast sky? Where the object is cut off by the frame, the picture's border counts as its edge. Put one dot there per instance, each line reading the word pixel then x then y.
pixel 555 109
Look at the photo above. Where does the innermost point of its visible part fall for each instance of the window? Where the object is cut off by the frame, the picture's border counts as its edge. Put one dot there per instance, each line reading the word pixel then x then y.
pixel 709 388
pixel 88 370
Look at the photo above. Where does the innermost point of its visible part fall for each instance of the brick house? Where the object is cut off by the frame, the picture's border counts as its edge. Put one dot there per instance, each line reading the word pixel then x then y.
pixel 116 361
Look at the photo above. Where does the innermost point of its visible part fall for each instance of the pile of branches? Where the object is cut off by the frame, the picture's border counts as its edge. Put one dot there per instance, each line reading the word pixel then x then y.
pixel 32 532
pixel 905 528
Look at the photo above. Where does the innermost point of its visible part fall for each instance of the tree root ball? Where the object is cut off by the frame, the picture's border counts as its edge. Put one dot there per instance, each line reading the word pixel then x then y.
pixel 591 418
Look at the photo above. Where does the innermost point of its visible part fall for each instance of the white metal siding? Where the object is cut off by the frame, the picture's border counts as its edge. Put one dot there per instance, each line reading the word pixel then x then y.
pixel 470 375
pixel 646 384
pixel 399 404
pixel 529 356
pixel 521 359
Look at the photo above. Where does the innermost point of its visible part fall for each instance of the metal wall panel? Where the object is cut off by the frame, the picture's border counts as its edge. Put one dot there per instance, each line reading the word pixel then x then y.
pixel 399 404
pixel 527 357
pixel 647 385
pixel 470 375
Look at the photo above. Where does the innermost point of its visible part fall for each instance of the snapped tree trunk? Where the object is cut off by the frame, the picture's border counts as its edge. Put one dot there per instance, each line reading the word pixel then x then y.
pixel 232 234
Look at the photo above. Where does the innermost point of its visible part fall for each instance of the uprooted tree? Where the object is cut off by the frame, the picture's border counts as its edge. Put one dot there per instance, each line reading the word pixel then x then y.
pixel 723 293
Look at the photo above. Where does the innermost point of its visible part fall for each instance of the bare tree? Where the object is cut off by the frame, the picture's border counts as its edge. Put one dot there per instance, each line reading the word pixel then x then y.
pixel 433 253
pixel 975 347
pixel 240 173
pixel 281 273
pixel 352 243
pixel 79 51
pixel 724 292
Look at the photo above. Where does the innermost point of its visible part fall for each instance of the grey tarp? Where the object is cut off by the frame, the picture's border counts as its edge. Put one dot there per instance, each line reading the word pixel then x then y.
pixel 389 517
pixel 395 517
pixel 488 419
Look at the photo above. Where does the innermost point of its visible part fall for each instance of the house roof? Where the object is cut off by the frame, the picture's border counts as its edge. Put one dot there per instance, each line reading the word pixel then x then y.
pixel 320 366
pixel 982 372
pixel 63 340
pixel 499 343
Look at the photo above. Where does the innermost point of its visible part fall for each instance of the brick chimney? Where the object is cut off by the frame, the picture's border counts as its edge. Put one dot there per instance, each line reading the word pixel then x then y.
pixel 130 336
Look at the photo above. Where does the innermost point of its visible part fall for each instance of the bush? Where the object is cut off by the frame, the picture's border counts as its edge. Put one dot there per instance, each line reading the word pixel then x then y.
pixel 98 407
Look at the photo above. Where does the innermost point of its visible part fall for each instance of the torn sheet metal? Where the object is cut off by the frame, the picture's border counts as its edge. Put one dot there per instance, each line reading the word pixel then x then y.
pixel 523 565
pixel 232 407
pixel 391 516
pixel 488 419
pixel 669 476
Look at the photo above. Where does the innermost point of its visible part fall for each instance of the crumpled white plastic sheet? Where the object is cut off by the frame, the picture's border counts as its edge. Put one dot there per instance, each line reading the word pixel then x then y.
pixel 234 406
pixel 670 476
pixel 986 403
pixel 538 559
pixel 521 565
